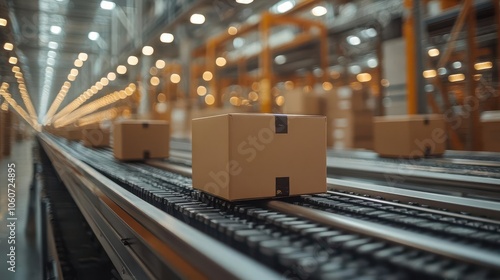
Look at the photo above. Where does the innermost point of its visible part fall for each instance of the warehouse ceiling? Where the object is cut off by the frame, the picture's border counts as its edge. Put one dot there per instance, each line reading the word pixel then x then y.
pixel 49 36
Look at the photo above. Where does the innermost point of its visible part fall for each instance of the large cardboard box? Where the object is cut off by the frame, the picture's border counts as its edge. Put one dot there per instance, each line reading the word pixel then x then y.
pixel 250 156
pixel 410 136
pixel 141 139
pixel 72 133
pixel 350 129
pixel 490 125
pixel 95 137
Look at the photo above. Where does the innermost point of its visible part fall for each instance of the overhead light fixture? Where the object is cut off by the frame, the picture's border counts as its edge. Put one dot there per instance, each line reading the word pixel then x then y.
pixel 147 50
pixel 483 65
pixel 175 78
pixel 71 77
pixel 456 78
pixel 93 35
pixel 107 5
pixel 78 63
pixel 372 62
pixel 429 73
pixel 83 56
pixel 13 60
pixel 197 19
pixel 104 81
pixel 284 6
pixel 442 71
pixel 111 76
pixel 121 69
pixel 3 22
pixel 220 61
pixel 456 64
pixel 433 52
pixel 353 40
pixel 167 37
pixel 132 60
pixel 160 64
pixel 53 45
pixel 231 30
pixel 280 59
pixel 209 99
pixel 369 32
pixel 55 29
pixel 74 72
pixel 51 61
pixel 364 77
pixel 319 11
pixel 8 46
pixel 207 76
pixel 355 69
pixel 201 90
pixel 52 54
pixel 244 2
pixel 154 81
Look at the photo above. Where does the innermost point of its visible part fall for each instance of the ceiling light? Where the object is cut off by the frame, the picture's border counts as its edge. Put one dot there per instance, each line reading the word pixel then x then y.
pixel 209 99
pixel 370 32
pixel 55 29
pixel 53 45
pixel 220 61
pixel 364 77
pixel 175 78
pixel 78 63
pixel 121 69
pixel 456 78
pixel 8 46
pixel 51 61
pixel 429 73
pixel 232 30
pixel 12 60
pixel 3 22
pixel 238 42
pixel 111 76
pixel 160 64
pixel 71 77
pixel 245 2
pixel 353 40
pixel 372 62
pixel 132 60
pixel 284 6
pixel 433 52
pixel 456 64
pixel 280 59
pixel 83 56
pixel 354 69
pixel 147 50
pixel 483 65
pixel 93 35
pixel 104 81
pixel 442 71
pixel 201 90
pixel 207 76
pixel 197 19
pixel 167 38
pixel 74 72
pixel 107 5
pixel 319 11
pixel 154 81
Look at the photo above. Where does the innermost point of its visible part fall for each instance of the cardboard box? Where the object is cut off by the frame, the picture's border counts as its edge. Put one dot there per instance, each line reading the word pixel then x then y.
pixel 72 133
pixel 348 128
pixel 95 137
pixel 250 156
pixel 300 102
pixel 410 136
pixel 141 139
pixel 490 126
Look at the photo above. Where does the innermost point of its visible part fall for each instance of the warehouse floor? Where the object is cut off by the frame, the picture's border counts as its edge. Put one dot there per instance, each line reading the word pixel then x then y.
pixel 28 260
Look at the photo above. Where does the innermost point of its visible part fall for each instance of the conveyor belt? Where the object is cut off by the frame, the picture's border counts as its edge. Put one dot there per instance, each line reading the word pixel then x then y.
pixel 331 246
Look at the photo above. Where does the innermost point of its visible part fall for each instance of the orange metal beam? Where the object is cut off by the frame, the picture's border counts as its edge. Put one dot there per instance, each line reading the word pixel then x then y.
pixel 496 4
pixel 265 65
pixel 411 50
pixel 475 125
pixel 455 142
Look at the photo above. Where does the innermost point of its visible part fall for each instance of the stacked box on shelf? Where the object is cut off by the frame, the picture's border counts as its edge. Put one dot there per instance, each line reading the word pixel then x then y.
pixel 490 127
pixel 350 121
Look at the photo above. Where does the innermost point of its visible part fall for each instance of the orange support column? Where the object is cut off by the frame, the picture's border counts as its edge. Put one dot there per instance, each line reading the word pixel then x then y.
pixel 265 65
pixel 411 49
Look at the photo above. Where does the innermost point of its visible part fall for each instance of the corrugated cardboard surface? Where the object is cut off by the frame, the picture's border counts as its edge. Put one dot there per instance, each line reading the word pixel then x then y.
pixel 490 125
pixel 240 156
pixel 409 135
pixel 95 137
pixel 141 139
pixel 300 102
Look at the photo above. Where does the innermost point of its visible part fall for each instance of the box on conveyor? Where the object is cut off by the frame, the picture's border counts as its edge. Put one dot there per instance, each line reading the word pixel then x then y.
pixel 301 102
pixel 141 139
pixel 72 133
pixel 95 137
pixel 410 136
pixel 490 126
pixel 251 156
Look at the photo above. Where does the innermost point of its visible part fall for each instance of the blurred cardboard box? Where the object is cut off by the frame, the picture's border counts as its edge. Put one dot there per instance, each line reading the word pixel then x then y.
pixel 409 136
pixel 72 133
pixel 301 102
pixel 95 137
pixel 250 156
pixel 141 139
pixel 490 126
